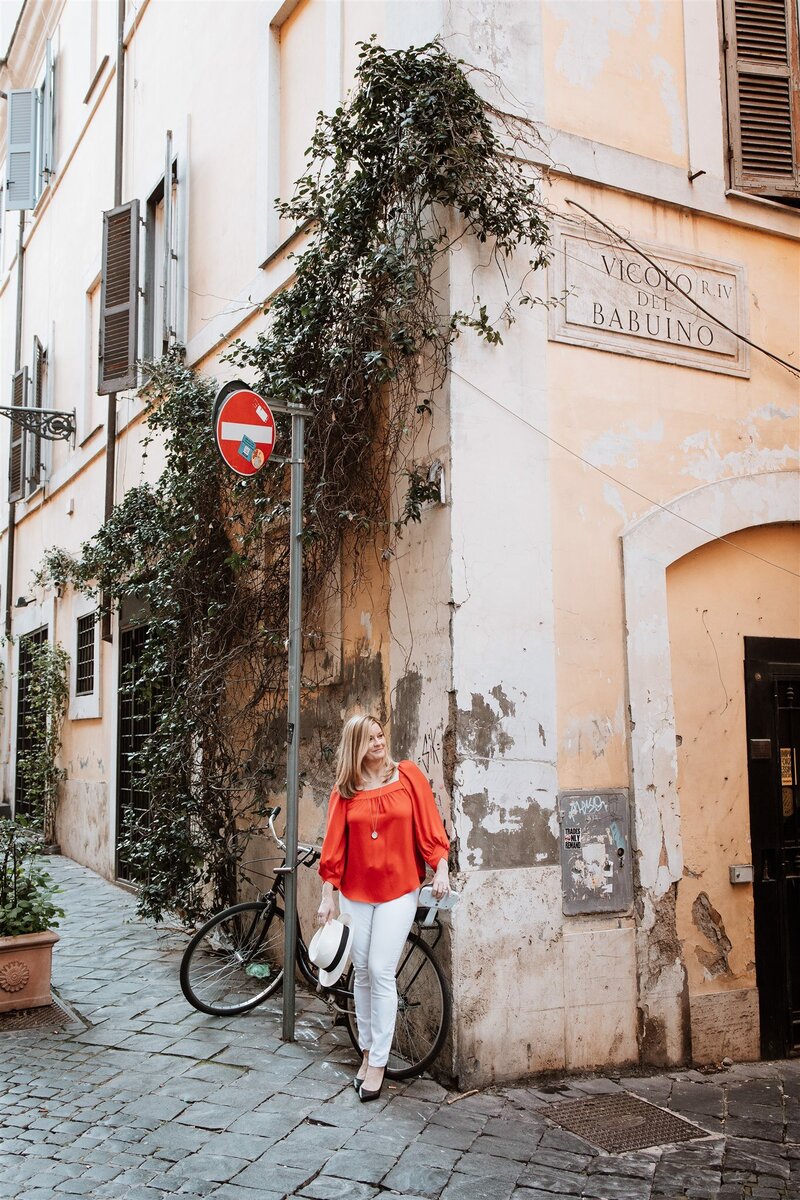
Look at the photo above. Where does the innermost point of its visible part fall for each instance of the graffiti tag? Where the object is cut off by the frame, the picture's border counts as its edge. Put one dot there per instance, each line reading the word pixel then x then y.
pixel 586 806
pixel 430 751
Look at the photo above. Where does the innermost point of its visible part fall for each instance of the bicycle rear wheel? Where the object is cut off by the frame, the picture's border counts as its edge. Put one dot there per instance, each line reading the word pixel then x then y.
pixel 234 961
pixel 423 1011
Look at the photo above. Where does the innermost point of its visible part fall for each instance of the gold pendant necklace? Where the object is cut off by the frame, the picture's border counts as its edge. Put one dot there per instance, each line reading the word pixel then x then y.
pixel 373 811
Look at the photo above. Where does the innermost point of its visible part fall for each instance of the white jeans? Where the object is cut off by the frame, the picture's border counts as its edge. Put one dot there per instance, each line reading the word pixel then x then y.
pixel 379 932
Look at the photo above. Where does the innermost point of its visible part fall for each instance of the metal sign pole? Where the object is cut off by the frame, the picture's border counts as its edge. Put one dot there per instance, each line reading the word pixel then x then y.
pixel 293 732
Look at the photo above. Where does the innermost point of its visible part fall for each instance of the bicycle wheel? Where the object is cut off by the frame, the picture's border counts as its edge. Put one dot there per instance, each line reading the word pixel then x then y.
pixel 423 1011
pixel 235 961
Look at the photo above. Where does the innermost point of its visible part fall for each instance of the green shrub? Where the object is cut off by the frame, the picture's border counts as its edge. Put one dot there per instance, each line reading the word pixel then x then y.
pixel 27 892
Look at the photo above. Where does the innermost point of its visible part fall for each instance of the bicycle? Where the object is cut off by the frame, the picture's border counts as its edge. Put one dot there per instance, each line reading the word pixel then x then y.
pixel 234 963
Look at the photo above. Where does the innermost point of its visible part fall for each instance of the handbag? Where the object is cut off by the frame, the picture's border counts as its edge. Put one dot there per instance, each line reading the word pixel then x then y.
pixel 427 900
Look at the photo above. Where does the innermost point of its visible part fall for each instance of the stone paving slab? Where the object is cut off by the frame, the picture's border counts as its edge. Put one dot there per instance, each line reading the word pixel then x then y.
pixel 141 1097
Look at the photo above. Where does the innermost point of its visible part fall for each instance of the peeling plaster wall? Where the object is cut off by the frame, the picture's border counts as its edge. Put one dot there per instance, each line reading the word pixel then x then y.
pixel 603 61
pixel 519 639
pixel 509 997
pixel 649 547
pixel 716 596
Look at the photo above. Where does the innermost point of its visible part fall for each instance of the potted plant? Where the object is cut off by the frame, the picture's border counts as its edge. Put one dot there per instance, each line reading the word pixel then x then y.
pixel 27 914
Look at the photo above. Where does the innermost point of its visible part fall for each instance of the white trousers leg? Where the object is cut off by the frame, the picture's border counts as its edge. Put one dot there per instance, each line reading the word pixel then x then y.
pixel 379 932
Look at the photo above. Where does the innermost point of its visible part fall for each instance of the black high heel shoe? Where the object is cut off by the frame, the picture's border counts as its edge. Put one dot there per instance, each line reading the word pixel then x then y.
pixel 365 1096
pixel 357 1084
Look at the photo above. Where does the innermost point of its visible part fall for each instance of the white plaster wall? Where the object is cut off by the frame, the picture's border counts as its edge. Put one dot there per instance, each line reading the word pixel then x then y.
pixel 504 690
pixel 508 966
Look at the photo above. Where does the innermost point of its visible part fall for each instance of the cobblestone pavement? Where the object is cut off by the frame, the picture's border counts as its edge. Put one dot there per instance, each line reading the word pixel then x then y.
pixel 149 1098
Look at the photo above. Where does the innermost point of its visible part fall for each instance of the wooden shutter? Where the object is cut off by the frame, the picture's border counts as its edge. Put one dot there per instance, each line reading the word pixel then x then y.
pixel 16 458
pixel 763 76
pixel 34 443
pixel 119 294
pixel 23 109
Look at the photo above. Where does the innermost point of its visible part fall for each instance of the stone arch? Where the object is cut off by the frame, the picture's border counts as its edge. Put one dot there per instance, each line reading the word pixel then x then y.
pixel 649 546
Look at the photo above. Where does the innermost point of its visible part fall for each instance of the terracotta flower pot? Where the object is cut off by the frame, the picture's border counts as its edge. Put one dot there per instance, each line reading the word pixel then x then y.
pixel 25 965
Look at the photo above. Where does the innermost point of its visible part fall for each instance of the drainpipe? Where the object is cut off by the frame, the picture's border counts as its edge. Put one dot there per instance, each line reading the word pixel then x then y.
pixel 111 416
pixel 12 508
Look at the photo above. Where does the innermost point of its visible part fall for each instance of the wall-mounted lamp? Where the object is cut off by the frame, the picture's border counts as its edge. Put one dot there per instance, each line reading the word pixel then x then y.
pixel 22 602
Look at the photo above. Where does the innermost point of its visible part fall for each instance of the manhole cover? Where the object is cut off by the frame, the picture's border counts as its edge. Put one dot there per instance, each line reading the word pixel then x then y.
pixel 621 1122
pixel 50 1016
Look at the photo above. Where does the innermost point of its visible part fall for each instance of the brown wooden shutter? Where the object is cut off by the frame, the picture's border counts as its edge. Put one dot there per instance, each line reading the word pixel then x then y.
pixel 763 76
pixel 16 458
pixel 119 294
pixel 34 443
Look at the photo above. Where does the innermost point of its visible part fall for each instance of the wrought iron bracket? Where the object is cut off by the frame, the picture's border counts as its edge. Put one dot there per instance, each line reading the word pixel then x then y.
pixel 48 423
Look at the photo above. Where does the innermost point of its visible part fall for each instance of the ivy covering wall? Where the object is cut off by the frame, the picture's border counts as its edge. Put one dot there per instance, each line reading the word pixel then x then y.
pixel 415 162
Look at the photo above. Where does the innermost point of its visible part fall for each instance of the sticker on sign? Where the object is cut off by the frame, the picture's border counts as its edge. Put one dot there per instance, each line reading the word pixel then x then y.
pixel 244 428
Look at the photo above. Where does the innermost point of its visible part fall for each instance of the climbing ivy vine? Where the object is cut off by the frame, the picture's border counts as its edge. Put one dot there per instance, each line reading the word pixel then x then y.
pixel 47 691
pixel 412 164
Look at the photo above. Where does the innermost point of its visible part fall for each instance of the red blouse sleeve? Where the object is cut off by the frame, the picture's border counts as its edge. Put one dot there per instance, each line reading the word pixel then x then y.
pixel 429 832
pixel 334 844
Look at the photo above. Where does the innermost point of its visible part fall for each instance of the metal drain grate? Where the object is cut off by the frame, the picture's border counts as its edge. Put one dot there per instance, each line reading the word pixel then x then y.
pixel 49 1016
pixel 620 1122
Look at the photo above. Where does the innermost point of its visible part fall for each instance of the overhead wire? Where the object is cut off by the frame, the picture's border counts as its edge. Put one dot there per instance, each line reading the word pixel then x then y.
pixel 687 295
pixel 619 482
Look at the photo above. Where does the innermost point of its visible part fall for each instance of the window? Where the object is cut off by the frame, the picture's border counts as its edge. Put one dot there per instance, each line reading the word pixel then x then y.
pixel 34 459
pixel 27 463
pixel 304 75
pixel 85 674
pixel 31 136
pixel 84 655
pixel 135 725
pixel 93 407
pixel 28 733
pixel 161 263
pixel 763 93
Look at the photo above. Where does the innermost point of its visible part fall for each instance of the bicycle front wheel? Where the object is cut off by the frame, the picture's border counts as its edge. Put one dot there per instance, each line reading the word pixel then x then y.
pixel 235 961
pixel 423 1011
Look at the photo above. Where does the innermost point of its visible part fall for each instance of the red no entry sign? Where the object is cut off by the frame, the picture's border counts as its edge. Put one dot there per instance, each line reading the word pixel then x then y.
pixel 244 428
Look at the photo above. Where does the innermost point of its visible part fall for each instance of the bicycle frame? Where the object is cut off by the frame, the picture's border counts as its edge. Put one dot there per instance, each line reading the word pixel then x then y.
pixel 307 856
pixel 338 994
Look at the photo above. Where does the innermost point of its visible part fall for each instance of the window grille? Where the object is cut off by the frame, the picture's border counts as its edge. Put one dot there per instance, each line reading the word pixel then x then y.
pixel 84 657
pixel 135 725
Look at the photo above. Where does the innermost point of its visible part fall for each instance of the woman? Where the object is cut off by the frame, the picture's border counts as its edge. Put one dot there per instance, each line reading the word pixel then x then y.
pixel 383 826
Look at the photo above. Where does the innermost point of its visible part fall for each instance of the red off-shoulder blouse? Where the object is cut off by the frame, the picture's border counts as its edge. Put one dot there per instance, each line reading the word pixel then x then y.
pixel 410 834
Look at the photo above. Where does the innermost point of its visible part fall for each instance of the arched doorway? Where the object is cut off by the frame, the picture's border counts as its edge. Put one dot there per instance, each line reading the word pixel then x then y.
pixel 649 546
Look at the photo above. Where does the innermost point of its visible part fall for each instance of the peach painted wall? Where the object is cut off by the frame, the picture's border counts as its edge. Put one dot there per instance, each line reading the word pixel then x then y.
pixel 717 596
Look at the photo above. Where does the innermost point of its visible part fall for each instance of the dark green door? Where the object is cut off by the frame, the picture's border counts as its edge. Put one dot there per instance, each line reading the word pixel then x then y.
pixel 772 680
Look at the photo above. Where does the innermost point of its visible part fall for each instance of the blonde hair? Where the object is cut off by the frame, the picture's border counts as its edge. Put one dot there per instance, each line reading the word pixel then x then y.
pixel 352 750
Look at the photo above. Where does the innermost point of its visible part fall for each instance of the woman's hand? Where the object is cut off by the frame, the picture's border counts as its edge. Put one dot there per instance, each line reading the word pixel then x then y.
pixel 327 910
pixel 441 881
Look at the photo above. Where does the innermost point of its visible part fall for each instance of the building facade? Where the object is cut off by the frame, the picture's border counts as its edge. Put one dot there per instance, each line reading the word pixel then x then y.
pixel 592 646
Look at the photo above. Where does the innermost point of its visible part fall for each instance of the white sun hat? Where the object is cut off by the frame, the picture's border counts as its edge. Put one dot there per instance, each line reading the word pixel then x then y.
pixel 330 949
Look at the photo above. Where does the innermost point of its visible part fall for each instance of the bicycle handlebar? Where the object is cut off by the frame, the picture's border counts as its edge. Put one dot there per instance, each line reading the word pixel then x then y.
pixel 307 854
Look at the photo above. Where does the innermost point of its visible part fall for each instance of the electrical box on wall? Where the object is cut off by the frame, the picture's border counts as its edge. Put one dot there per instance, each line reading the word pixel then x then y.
pixel 740 872
pixel 596 868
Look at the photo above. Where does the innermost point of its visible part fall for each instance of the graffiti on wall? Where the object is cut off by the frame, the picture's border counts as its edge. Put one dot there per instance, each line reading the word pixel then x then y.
pixel 595 851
